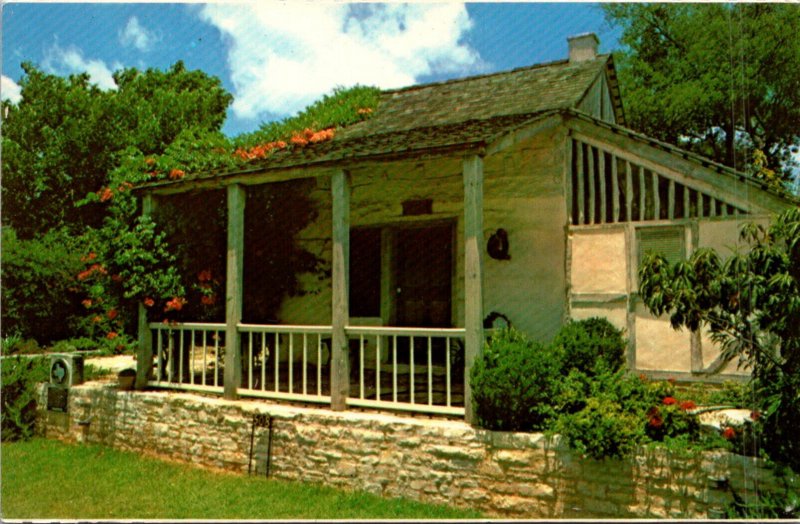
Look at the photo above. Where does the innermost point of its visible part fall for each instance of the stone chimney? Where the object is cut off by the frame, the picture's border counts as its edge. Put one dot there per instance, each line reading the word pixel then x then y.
pixel 582 47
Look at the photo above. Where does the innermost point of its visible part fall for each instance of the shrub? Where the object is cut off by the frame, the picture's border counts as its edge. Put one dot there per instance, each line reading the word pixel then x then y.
pixel 20 376
pixel 601 429
pixel 591 346
pixel 513 383
pixel 37 277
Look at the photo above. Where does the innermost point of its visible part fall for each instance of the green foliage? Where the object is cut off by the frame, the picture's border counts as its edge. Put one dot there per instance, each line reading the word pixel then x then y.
pixel 342 107
pixel 699 75
pixel 19 378
pixel 601 429
pixel 751 304
pixel 514 381
pixel 591 346
pixel 39 297
pixel 65 136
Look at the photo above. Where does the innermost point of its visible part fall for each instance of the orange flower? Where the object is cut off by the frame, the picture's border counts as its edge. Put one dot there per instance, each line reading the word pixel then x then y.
pixel 149 161
pixel 204 275
pixel 280 144
pixel 176 304
pixel 148 302
pixel 87 302
pixel 729 433
pixel 111 335
pixel 298 140
pixel 668 401
pixel 176 174
pixel 112 314
pixel 364 110
pixel 105 194
pixel 97 319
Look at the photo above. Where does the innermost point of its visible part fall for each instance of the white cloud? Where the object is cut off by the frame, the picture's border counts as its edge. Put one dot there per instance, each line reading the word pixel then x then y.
pixel 282 56
pixel 71 61
pixel 10 90
pixel 137 35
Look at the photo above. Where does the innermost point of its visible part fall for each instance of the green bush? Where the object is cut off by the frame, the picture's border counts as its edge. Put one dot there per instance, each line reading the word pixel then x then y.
pixel 514 382
pixel 37 277
pixel 592 346
pixel 20 376
pixel 601 429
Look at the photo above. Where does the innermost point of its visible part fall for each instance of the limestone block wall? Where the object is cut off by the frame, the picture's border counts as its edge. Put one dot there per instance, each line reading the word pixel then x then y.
pixel 432 460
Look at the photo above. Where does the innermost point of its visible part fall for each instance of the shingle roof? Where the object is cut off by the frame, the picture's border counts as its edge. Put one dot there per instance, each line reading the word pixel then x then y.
pixel 556 85
pixel 459 112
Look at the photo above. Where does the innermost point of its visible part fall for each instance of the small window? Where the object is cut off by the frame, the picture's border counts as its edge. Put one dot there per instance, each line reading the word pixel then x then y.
pixel 670 242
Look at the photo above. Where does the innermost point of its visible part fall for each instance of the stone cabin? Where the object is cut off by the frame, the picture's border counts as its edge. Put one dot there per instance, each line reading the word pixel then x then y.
pixel 515 197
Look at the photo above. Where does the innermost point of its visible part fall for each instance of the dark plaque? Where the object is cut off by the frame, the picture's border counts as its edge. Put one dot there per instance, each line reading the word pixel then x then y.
pixel 57 398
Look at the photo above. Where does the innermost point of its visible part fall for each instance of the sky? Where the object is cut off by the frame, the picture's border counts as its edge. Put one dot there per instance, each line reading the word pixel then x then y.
pixel 276 58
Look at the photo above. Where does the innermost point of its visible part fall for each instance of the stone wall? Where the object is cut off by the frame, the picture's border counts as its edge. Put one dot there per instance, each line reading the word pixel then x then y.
pixel 432 460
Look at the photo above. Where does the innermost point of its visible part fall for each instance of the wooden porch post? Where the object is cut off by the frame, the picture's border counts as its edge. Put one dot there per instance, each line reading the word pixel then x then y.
pixel 144 355
pixel 473 272
pixel 340 276
pixel 233 291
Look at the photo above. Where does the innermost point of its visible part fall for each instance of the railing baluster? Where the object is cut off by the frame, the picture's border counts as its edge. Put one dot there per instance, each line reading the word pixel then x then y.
pixel 394 369
pixel 216 358
pixel 305 364
pixel 250 361
pixel 361 365
pixel 642 195
pixel 447 368
pixel 291 362
pixel 170 358
pixel 191 359
pixel 263 361
pixel 205 362
pixel 158 356
pixel 180 361
pixel 319 364
pixel 277 358
pixel 430 371
pixel 411 369
pixel 378 368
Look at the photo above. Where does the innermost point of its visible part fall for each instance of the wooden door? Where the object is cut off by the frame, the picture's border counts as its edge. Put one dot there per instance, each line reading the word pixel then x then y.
pixel 424 269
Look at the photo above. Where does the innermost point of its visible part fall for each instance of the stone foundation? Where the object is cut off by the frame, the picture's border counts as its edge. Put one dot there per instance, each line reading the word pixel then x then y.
pixel 524 475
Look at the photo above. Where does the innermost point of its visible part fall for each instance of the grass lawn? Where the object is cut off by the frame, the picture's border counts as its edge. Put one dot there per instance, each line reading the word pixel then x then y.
pixel 46 479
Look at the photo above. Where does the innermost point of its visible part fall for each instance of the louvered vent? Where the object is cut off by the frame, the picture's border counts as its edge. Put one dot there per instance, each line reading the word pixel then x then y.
pixel 670 242
pixel 608 189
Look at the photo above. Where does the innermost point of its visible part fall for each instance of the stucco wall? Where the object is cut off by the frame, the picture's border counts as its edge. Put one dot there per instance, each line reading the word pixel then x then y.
pixel 603 284
pixel 523 194
pixel 502 474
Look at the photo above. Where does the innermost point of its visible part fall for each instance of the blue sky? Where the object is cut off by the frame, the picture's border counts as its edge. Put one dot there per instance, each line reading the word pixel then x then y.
pixel 275 58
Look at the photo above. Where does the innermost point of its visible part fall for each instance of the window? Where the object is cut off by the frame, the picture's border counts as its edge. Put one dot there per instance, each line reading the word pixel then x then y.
pixel 670 242
pixel 365 272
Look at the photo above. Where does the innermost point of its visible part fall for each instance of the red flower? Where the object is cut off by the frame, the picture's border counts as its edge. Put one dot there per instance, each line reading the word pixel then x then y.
pixel 176 174
pixel 116 278
pixel 175 304
pixel 148 302
pixel 656 421
pixel 111 335
pixel 668 401
pixel 208 300
pixel 729 433
pixel 687 405
pixel 87 302
pixel 204 275
pixel 112 314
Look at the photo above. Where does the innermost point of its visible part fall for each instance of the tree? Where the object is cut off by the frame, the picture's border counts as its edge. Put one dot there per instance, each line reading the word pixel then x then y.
pixel 65 137
pixel 750 302
pixel 720 79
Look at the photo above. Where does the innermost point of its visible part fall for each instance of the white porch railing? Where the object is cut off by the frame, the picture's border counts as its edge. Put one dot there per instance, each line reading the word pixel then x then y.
pixel 286 362
pixel 189 356
pixel 412 369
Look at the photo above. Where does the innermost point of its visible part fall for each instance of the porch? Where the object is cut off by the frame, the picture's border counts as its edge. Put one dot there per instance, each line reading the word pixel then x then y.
pixel 405 355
